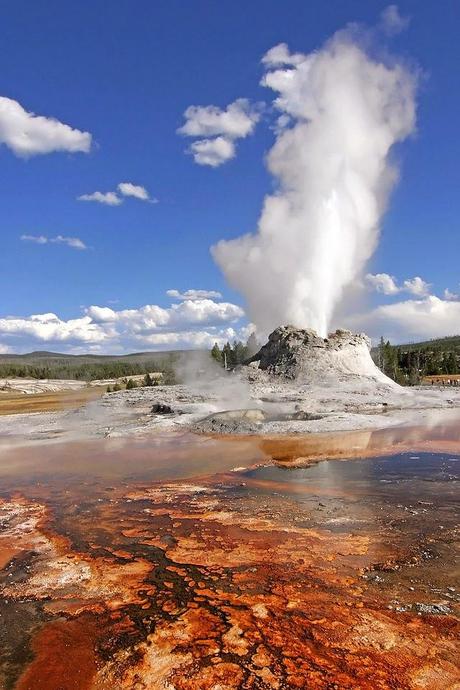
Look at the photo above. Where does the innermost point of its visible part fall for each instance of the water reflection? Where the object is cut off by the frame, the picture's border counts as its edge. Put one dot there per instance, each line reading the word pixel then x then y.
pixel 152 458
pixel 440 430
pixel 431 477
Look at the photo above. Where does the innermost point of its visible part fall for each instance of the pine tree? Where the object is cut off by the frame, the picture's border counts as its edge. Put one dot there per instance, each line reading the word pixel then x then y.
pixel 382 354
pixel 451 366
pixel 227 355
pixel 216 354
pixel 148 381
pixel 239 352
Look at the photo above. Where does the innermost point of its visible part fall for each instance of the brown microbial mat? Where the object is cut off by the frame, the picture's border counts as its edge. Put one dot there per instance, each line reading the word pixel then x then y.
pixel 20 403
pixel 182 562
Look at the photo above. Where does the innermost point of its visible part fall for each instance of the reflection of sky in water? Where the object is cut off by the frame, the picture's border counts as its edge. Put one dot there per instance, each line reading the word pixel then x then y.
pixel 127 459
pixel 407 474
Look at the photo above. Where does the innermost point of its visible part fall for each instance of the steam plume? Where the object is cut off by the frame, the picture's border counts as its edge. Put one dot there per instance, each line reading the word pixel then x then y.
pixel 341 112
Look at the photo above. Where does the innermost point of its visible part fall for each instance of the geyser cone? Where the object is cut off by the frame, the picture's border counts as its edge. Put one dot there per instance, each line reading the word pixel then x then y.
pixel 301 354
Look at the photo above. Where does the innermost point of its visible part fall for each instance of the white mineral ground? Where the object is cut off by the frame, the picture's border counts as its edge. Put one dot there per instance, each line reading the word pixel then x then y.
pixel 299 384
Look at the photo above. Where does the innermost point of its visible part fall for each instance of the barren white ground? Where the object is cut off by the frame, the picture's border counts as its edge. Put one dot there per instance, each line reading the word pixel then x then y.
pixel 357 403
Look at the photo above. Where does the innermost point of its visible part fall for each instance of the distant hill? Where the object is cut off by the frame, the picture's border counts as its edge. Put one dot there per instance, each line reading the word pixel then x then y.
pixel 411 362
pixel 41 356
pixel 447 344
pixel 88 367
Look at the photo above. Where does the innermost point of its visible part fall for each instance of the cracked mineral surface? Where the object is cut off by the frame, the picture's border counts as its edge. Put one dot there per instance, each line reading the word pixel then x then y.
pixel 182 562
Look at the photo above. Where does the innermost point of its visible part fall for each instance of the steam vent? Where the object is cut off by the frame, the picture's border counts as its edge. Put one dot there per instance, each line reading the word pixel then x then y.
pixel 302 355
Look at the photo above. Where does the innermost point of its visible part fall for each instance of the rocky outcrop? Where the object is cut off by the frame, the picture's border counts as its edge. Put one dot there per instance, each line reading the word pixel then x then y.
pixel 301 354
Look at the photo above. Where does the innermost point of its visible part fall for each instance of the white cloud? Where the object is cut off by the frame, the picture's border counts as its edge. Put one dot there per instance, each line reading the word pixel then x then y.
pixel 392 22
pixel 74 242
pixel 137 191
pixel 224 126
pixel 192 339
pixel 101 314
pixel 50 328
pixel 204 311
pixel 387 285
pixel 236 122
pixel 410 320
pixel 279 55
pixel 108 198
pixel 194 294
pixel 382 282
pixel 451 296
pixel 416 286
pixel 212 152
pixel 37 239
pixel 27 134
pixel 113 199
pixel 4 349
pixel 191 323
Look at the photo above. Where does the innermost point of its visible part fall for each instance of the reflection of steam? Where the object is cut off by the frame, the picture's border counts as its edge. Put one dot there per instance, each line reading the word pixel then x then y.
pixel 438 429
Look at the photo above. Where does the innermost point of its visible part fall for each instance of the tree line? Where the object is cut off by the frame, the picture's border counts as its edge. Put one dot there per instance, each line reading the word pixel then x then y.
pixel 231 355
pixel 409 364
pixel 88 371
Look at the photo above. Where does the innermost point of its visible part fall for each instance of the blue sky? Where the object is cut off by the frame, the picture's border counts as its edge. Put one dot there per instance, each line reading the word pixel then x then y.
pixel 126 74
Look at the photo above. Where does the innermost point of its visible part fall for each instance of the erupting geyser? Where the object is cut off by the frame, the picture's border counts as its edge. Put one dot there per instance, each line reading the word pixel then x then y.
pixel 341 113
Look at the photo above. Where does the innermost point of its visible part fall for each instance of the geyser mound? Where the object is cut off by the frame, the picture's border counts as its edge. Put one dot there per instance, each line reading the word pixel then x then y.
pixel 301 355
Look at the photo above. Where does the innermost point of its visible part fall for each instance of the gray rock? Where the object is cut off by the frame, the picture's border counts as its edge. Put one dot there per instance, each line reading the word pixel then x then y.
pixel 301 354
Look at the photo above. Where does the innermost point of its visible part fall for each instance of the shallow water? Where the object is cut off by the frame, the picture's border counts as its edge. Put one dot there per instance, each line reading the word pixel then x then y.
pixel 148 563
pixel 426 476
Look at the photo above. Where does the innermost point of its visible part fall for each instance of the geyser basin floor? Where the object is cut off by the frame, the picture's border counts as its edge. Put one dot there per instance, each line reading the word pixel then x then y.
pixel 328 407
pixel 148 564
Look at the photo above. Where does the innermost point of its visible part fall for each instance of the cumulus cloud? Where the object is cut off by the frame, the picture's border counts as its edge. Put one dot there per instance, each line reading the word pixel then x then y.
pixel 212 152
pixel 73 242
pixel 387 285
pixel 194 294
pixel 50 328
pixel 125 189
pixel 190 323
pixel 135 190
pixel 204 311
pixel 101 314
pixel 451 296
pixel 392 22
pixel 280 55
pixel 27 134
pixel 220 129
pixel 416 286
pixel 410 320
pixel 236 121
pixel 192 339
pixel 107 198
pixel 382 282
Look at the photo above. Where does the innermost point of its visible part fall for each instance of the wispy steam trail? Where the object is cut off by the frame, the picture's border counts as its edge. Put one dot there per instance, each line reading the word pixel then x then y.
pixel 341 112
